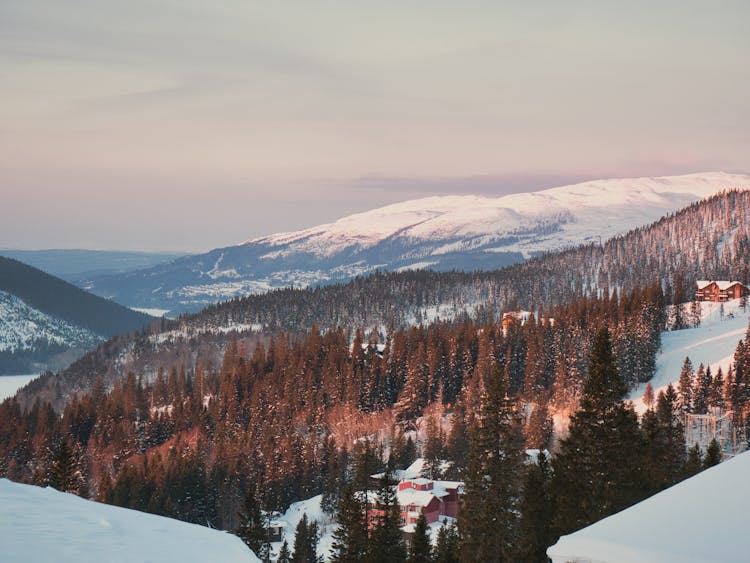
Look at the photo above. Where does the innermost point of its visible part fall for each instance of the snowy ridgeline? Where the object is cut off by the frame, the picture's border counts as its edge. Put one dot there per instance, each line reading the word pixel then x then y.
pixel 701 519
pixel 41 525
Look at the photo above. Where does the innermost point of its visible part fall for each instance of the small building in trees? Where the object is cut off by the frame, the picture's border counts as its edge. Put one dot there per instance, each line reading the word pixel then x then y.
pixel 716 424
pixel 720 291
pixel 276 531
pixel 436 499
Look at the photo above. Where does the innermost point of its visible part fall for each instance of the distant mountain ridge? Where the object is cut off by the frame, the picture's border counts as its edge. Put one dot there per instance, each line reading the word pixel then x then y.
pixel 72 264
pixel 439 233
pixel 43 319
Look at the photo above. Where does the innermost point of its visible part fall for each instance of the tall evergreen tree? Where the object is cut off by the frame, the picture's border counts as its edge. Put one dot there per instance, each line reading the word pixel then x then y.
pixel 284 555
pixel 253 529
pixel 694 461
pixel 685 386
pixel 447 545
pixel 419 548
pixel 350 537
pixel 306 541
pixel 386 541
pixel 597 471
pixel 536 510
pixel 489 507
pixel 713 454
pixel 64 472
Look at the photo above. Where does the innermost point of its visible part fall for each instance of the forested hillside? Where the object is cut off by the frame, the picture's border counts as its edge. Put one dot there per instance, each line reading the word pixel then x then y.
pixel 710 239
pixel 46 323
pixel 182 418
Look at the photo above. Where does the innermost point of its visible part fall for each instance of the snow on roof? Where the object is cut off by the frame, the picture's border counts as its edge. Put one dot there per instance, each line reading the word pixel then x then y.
pixel 702 519
pixel 42 524
pixel 721 284
pixel 408 497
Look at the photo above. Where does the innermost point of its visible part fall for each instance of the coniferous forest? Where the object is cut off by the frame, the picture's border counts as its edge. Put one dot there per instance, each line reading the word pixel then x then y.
pixel 345 381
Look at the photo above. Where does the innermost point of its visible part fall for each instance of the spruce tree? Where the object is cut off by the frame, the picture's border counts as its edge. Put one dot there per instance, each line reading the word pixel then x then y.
pixel 685 386
pixel 447 544
pixel 350 537
pixel 536 512
pixel 694 461
pixel 713 454
pixel 386 541
pixel 306 541
pixel 489 507
pixel 419 548
pixel 597 471
pixel 284 555
pixel 64 472
pixel 252 527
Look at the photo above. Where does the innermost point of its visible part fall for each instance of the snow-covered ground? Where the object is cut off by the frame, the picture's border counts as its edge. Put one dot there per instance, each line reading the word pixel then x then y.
pixel 41 525
pixel 9 384
pixel 315 513
pixel 712 343
pixel 702 519
pixel 21 326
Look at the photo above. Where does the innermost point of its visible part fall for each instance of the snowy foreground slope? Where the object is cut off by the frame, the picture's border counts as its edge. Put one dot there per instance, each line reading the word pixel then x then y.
pixel 712 343
pixel 43 525
pixel 701 519
pixel 448 232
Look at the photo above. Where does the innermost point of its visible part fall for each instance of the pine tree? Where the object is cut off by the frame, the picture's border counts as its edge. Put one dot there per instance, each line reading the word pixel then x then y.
pixel 253 529
pixel 536 512
pixel 433 450
pixel 350 537
pixel 648 396
pixel 685 386
pixel 713 454
pixel 64 472
pixel 597 471
pixel 489 507
pixel 447 545
pixel 419 548
pixel 284 555
pixel 306 541
pixel 386 541
pixel 694 461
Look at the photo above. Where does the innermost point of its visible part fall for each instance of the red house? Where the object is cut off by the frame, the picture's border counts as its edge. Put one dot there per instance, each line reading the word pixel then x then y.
pixel 710 290
pixel 437 500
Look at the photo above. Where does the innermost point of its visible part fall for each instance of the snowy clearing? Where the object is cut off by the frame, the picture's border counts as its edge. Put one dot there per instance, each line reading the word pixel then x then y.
pixel 712 343
pixel 40 525
pixel 702 519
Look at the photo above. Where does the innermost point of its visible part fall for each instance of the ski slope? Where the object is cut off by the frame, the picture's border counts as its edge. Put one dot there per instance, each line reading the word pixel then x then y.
pixel 712 343
pixel 43 525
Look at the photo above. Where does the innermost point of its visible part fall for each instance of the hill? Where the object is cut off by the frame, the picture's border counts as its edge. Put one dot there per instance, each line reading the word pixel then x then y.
pixel 47 322
pixel 46 525
pixel 75 264
pixel 440 233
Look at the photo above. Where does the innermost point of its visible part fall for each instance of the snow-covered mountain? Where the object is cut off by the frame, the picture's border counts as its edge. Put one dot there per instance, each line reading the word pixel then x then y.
pixel 46 525
pixel 461 232
pixel 46 323
pixel 24 328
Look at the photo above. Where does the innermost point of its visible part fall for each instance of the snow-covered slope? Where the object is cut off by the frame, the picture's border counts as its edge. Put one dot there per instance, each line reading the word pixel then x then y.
pixel 712 343
pixel 701 519
pixel 23 327
pixel 40 525
pixel 462 232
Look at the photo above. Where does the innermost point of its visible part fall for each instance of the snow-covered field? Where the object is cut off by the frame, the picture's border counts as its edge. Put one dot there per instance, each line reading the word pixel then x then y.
pixel 702 519
pixel 43 525
pixel 712 343
pixel 9 384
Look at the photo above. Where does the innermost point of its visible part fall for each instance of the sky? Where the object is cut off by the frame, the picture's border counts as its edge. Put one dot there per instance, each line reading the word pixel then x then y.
pixel 189 125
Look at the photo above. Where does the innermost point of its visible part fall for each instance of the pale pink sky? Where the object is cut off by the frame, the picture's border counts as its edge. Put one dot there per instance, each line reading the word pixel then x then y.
pixel 166 124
